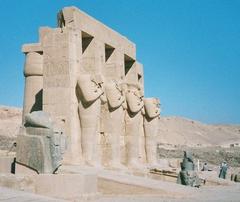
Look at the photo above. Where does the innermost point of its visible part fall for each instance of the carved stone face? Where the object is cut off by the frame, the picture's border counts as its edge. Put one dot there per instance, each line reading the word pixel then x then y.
pixel 134 99
pixel 114 95
pixel 90 88
pixel 152 108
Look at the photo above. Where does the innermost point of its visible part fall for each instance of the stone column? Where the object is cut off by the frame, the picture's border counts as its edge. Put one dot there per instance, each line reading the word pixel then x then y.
pixel 89 109
pixel 114 123
pixel 151 121
pixel 33 72
pixel 62 55
pixel 89 113
pixel 133 121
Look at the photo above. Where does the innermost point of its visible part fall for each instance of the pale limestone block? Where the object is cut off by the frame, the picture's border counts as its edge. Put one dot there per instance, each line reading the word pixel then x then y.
pixel 89 112
pixel 34 47
pixel 67 186
pixel 103 33
pixel 114 65
pixel 61 81
pixel 93 57
pixel 51 95
pixel 89 118
pixel 39 146
pixel 58 109
pixel 113 119
pixel 66 117
pixel 38 119
pixel 54 68
pixel 43 31
pixel 7 164
pixel 24 170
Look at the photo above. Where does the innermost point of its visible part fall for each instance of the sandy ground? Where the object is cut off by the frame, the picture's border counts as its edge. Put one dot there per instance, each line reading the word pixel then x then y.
pixel 207 142
pixel 10 195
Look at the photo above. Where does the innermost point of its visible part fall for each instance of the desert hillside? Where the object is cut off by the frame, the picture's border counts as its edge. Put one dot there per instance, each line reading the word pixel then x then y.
pixel 182 131
pixel 10 120
pixel 172 130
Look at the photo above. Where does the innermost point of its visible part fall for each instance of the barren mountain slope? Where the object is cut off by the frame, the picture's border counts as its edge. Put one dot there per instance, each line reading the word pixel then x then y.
pixel 172 130
pixel 181 131
pixel 10 120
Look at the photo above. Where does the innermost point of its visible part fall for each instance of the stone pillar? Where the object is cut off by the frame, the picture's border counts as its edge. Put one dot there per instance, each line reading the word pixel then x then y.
pixel 89 108
pixel 151 121
pixel 62 55
pixel 33 72
pixel 112 112
pixel 114 122
pixel 89 113
pixel 133 121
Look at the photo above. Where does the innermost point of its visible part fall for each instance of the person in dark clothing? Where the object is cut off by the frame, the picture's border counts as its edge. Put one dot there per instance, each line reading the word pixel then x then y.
pixel 223 170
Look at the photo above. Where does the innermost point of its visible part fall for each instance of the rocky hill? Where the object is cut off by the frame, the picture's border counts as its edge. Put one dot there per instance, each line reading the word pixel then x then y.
pixel 173 131
pixel 10 120
pixel 182 131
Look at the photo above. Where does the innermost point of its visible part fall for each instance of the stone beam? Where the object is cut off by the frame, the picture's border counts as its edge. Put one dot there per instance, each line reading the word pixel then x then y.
pixel 80 20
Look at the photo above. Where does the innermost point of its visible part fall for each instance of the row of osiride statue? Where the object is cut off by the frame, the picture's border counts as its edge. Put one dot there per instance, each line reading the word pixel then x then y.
pixel 40 146
pixel 127 106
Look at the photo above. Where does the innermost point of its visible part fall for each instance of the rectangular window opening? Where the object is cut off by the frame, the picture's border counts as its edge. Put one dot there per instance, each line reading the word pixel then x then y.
pixel 128 63
pixel 108 51
pixel 86 40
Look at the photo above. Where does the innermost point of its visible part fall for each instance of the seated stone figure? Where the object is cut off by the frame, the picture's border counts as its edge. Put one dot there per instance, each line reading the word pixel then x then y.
pixel 188 161
pixel 39 146
pixel 187 176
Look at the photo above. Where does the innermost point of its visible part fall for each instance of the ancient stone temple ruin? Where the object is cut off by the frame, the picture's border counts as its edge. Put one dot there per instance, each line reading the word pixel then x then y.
pixel 85 77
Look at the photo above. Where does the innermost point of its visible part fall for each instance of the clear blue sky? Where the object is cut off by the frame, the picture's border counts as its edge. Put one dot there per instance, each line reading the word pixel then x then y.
pixel 190 49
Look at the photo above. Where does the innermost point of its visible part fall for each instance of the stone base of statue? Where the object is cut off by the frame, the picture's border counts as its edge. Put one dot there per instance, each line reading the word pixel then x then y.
pixel 39 145
pixel 235 177
pixel 188 178
pixel 69 186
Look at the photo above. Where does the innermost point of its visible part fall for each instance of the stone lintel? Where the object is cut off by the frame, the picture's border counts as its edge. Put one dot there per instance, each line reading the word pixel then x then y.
pixel 97 29
pixel 32 47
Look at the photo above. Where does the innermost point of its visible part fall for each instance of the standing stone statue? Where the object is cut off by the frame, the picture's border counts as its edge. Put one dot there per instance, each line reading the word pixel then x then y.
pixel 151 121
pixel 187 176
pixel 133 122
pixel 60 19
pixel 115 122
pixel 39 146
pixel 89 112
